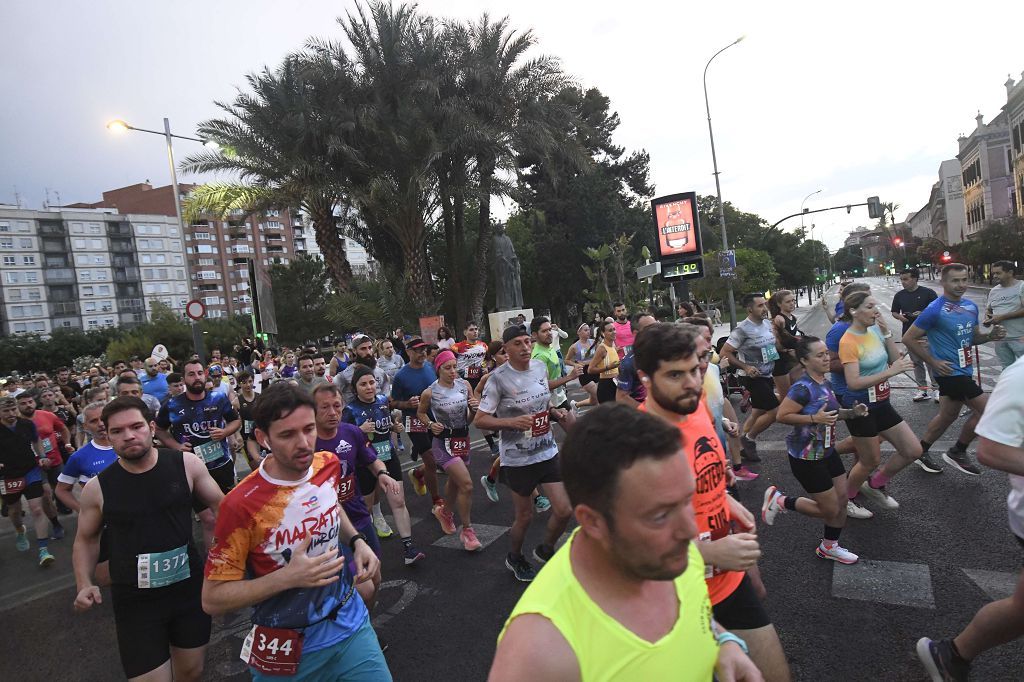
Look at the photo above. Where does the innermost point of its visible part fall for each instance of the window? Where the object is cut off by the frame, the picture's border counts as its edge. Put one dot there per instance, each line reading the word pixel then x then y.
pixel 90 306
pixel 102 275
pixel 65 322
pixel 24 243
pixel 273 213
pixel 165 288
pixel 179 274
pixel 177 260
pixel 103 290
pixel 162 272
pixel 14 295
pixel 76 228
pixel 79 244
pixel 86 291
pixel 205 248
pixel 93 228
pixel 206 261
pixel 202 235
pixel 38 326
pixel 20 327
pixel 108 321
pixel 175 245
pixel 31 277
pixel 22 227
pixel 100 260
pixel 181 288
pixel 34 295
pixel 85 275
pixel 5 227
pixel 10 260
pixel 145 259
pixel 95 243
pixel 173 232
pixel 6 243
pixel 93 324
pixel 12 277
pixel 28 260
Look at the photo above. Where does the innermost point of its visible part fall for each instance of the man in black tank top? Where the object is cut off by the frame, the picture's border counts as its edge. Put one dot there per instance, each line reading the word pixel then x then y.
pixel 144 501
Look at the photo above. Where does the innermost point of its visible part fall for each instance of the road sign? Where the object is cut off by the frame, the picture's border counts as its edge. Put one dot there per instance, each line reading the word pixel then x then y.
pixel 727 263
pixel 195 309
pixel 649 270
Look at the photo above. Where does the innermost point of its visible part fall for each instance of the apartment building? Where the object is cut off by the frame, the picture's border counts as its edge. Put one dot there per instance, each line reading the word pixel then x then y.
pixel 987 180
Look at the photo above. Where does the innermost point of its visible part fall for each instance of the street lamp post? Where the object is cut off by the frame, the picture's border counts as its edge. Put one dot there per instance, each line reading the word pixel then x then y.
pixel 718 184
pixel 810 287
pixel 118 125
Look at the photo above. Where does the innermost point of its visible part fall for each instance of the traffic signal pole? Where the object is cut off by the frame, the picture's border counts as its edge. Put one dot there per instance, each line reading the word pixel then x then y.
pixel 820 210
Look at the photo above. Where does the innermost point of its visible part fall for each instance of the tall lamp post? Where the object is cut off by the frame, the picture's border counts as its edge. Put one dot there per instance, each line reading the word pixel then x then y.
pixel 802 211
pixel 119 126
pixel 718 184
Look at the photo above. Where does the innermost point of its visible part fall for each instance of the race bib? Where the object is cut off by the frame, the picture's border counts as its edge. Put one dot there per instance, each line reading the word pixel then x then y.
pixel 769 354
pixel 473 372
pixel 47 446
pixel 709 570
pixel 383 450
pixel 458 447
pixel 272 651
pixel 346 488
pixel 10 486
pixel 965 356
pixel 829 436
pixel 414 425
pixel 163 568
pixel 210 452
pixel 248 425
pixel 541 425
pixel 879 392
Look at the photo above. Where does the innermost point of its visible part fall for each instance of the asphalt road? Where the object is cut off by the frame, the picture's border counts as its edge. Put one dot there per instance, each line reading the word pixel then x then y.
pixel 926 569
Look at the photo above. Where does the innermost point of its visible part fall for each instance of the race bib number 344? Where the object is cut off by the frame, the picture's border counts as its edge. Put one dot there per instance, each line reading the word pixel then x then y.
pixel 272 651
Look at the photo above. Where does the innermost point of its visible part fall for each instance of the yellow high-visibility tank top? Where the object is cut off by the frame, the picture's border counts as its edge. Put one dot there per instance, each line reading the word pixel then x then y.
pixel 607 650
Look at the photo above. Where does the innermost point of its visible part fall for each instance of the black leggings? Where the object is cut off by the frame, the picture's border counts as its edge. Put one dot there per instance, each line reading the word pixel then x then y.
pixel 606 391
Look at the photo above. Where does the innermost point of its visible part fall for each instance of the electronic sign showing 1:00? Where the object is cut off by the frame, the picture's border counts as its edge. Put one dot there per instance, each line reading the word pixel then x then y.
pixel 678 233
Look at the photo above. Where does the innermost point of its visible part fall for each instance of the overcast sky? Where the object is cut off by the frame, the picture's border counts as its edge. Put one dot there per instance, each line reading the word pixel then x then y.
pixel 867 99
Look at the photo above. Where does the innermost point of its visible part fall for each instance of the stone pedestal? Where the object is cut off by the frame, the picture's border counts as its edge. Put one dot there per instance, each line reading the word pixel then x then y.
pixel 496 321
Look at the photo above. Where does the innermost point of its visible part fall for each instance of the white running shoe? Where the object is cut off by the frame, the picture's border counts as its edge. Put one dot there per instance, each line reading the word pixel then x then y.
pixel 879 496
pixel 382 527
pixel 855 511
pixel 771 507
pixel 837 553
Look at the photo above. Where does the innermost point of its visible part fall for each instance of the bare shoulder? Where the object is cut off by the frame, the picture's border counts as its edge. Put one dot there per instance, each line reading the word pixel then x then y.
pixel 533 649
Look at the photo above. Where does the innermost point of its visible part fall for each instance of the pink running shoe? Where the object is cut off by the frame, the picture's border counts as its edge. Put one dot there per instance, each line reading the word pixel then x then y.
pixel 444 517
pixel 469 539
pixel 745 474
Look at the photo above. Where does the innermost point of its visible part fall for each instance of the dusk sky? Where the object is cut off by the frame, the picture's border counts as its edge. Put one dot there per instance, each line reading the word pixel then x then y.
pixel 857 99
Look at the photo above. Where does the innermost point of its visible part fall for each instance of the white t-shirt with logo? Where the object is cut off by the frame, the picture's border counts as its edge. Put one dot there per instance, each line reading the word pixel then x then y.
pixel 755 345
pixel 1003 422
pixel 1003 300
pixel 511 393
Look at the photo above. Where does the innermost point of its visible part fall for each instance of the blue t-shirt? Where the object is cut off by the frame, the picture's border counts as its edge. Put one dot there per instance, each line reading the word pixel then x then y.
pixel 357 412
pixel 154 386
pixel 628 380
pixel 411 382
pixel 812 441
pixel 86 462
pixel 840 308
pixel 832 343
pixel 190 421
pixel 950 327
pixel 350 446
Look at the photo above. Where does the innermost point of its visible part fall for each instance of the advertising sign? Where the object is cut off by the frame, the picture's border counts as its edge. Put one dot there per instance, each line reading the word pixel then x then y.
pixel 675 217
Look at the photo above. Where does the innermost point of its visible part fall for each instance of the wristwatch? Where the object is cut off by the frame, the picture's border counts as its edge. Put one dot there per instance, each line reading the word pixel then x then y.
pixel 360 536
pixel 724 637
pixel 382 472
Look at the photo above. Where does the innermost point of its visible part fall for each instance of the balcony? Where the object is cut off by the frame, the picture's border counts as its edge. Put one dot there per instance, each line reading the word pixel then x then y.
pixel 130 305
pixel 64 308
pixel 122 246
pixel 52 245
pixel 271 226
pixel 126 274
pixel 119 229
pixel 52 228
pixel 59 276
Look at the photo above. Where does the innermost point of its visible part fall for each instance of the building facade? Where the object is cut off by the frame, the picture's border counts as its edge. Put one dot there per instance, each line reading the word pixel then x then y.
pixel 946 204
pixel 987 180
pixel 87 268
pixel 1014 111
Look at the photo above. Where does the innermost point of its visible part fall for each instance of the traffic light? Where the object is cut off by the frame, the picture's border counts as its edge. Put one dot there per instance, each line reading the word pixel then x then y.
pixel 871 259
pixel 897 242
pixel 874 208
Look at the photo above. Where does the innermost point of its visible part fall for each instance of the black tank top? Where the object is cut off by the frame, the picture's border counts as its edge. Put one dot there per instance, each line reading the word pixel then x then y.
pixel 148 513
pixel 790 324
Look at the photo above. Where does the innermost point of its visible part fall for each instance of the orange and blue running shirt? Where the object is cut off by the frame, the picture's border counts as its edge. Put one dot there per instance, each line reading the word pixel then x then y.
pixel 260 523
pixel 869 352
pixel 707 459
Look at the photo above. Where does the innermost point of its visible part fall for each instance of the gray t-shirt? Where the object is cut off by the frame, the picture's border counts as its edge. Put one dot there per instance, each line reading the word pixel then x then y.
pixel 344 382
pixel 390 367
pixel 511 393
pixel 755 344
pixel 449 405
pixel 1003 300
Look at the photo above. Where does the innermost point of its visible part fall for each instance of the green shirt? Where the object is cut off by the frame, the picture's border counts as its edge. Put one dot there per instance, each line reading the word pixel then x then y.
pixel 553 364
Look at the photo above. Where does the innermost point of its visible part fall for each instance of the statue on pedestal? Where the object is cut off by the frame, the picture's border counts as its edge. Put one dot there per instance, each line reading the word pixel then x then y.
pixel 507 284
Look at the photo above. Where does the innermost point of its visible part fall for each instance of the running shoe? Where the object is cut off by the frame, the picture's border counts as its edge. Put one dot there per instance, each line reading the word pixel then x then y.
pixel 412 555
pixel 928 464
pixel 744 473
pixel 940 662
pixel 962 461
pixel 57 532
pixel 21 540
pixel 416 478
pixel 444 517
pixel 380 524
pixel 541 504
pixel 543 553
pixel 836 553
pixel 520 567
pixel 490 488
pixel 45 558
pixel 922 396
pixel 771 507
pixel 855 511
pixel 878 496
pixel 469 540
pixel 749 449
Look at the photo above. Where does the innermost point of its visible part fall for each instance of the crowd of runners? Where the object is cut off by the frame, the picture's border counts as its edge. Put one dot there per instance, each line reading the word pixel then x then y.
pixel 658 578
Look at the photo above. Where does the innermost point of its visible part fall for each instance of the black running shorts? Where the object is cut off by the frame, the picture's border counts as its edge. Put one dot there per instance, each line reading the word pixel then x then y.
pixel 958 387
pixel 522 480
pixel 762 392
pixel 815 475
pixel 881 417
pixel 741 610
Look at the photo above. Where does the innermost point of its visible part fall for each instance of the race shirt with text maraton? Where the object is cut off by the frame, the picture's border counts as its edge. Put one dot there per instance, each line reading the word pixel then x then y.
pixel 755 344
pixel 812 441
pixel 950 328
pixel 190 421
pixel 710 500
pixel 349 445
pixel 357 412
pixel 259 525
pixel 511 393
pixel 469 359
pixel 86 462
pixel 48 426
pixel 868 351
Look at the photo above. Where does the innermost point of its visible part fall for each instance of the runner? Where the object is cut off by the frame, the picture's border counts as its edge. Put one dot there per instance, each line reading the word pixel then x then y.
pixel 143 505
pixel 247 396
pixel 307 379
pixel 364 356
pixel 870 359
pixel 780 307
pixel 753 349
pixel 950 323
pixel 340 359
pixel 1000 447
pixel 624 336
pixel 89 460
pixel 200 422
pixel 1005 307
pixel 277 550
pixel 21 475
pixel 369 412
pixel 546 350
pixel 447 408
pixel 496 357
pixel 388 360
pixel 628 388
pixel 907 305
pixel 130 386
pixel 624 597
pixel 516 404
pixel 606 363
pixel 470 354
pixel 812 409
pixel 668 361
pixel 154 382
pixel 361 471
pixel 409 384
pixel 580 354
pixel 56 442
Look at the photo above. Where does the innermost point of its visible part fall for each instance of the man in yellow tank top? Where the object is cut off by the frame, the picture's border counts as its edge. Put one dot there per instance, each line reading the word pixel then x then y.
pixel 625 597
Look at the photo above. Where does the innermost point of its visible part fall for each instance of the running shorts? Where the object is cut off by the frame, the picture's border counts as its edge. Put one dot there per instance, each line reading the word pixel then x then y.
pixel 606 391
pixel 31 491
pixel 420 443
pixel 368 480
pixel 522 480
pixel 880 417
pixel 442 457
pixel 741 610
pixel 815 475
pixel 783 366
pixel 958 387
pixel 762 392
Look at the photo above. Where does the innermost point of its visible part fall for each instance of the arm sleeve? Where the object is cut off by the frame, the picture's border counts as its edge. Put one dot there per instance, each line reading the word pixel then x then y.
pixel 227 557
pixel 848 351
pixel 737 337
